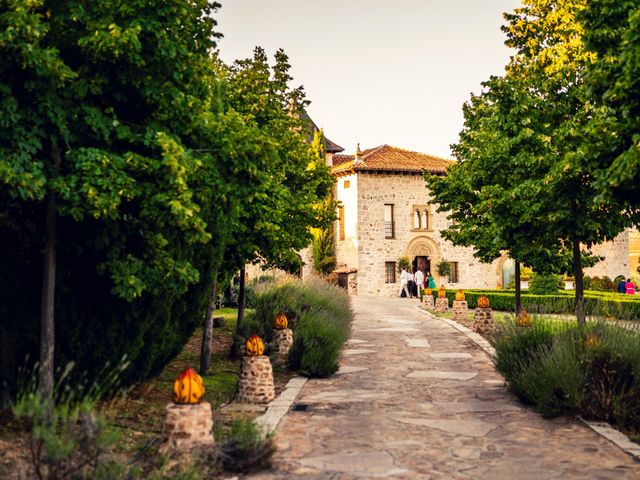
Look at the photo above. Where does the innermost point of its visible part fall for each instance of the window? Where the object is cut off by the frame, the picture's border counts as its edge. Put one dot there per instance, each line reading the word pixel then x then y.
pixel 453 276
pixel 420 217
pixel 416 219
pixel 347 183
pixel 341 222
pixel 389 224
pixel 389 272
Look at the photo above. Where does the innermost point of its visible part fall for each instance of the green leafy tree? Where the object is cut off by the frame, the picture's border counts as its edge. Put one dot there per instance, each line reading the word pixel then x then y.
pixel 100 102
pixel 324 259
pixel 610 31
pixel 284 182
pixel 538 197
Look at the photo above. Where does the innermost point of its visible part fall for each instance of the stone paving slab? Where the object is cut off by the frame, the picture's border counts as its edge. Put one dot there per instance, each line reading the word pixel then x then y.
pixel 374 422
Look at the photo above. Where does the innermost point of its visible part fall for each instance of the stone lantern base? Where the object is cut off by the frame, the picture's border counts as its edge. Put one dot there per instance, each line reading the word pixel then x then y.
pixel 483 321
pixel 460 310
pixel 427 302
pixel 256 380
pixel 442 304
pixel 284 340
pixel 186 427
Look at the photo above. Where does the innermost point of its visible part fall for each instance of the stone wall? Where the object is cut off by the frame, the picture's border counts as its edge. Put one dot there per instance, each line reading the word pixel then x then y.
pixel 347 249
pixel 405 191
pixel 634 253
pixel 616 261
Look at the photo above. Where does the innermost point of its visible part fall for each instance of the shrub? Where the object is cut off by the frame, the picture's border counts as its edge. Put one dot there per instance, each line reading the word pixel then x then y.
pixel 602 284
pixel 404 262
pixel 318 313
pixel 545 284
pixel 591 370
pixel 67 438
pixel 244 447
pixel 601 304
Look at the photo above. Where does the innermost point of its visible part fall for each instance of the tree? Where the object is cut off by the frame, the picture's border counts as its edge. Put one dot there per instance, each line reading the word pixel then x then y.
pixel 529 188
pixel 613 86
pixel 551 63
pixel 324 259
pixel 99 103
pixel 285 181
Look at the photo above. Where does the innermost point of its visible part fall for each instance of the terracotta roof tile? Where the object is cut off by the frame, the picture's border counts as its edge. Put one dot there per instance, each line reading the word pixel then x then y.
pixel 340 159
pixel 394 159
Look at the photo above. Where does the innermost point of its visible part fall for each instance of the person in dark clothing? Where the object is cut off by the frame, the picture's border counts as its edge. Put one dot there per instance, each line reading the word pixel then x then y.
pixel 622 286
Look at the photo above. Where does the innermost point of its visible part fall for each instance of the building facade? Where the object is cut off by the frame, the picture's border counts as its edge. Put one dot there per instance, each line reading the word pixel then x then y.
pixel 386 212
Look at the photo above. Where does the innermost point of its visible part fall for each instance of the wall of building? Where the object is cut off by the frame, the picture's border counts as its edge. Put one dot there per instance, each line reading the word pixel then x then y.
pixel 405 191
pixel 634 253
pixel 616 261
pixel 347 249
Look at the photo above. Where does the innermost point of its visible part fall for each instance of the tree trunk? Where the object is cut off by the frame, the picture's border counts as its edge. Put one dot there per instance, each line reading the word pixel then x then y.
pixel 47 306
pixel 207 334
pixel 236 348
pixel 577 273
pixel 518 291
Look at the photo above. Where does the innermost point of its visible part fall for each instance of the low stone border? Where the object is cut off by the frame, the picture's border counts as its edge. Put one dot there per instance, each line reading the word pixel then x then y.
pixel 603 429
pixel 614 436
pixel 281 404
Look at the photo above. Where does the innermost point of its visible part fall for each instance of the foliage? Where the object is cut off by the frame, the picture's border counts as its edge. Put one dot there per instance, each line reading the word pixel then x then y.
pixel 545 284
pixel 286 180
pixel 526 183
pixel 611 33
pixel 604 284
pixel 319 315
pixel 324 260
pixel 444 268
pixel 121 95
pixel 598 304
pixel 244 447
pixel 403 264
pixel 590 370
pixel 67 438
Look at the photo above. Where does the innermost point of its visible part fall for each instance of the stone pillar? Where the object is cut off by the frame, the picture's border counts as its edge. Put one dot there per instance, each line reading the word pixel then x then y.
pixel 427 302
pixel 483 321
pixel 460 310
pixel 186 427
pixel 442 304
pixel 284 340
pixel 256 380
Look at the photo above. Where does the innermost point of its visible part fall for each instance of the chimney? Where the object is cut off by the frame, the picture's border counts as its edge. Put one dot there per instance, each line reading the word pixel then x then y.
pixel 358 155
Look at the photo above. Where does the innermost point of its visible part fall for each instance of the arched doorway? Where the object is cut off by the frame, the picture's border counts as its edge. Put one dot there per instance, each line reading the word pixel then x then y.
pixel 424 254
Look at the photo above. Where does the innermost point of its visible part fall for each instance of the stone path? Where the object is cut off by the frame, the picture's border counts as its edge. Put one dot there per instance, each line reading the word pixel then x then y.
pixel 416 399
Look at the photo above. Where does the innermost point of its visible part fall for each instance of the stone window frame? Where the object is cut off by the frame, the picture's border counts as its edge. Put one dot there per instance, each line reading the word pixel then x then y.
pixel 389 226
pixel 389 272
pixel 425 212
pixel 454 276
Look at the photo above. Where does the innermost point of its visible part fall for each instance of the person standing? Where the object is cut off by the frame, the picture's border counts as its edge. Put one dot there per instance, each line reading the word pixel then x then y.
pixel 411 284
pixel 404 278
pixel 419 282
pixel 630 287
pixel 622 286
pixel 431 283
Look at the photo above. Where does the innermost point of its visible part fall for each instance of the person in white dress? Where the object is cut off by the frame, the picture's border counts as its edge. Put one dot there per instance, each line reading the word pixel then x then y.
pixel 404 279
pixel 419 282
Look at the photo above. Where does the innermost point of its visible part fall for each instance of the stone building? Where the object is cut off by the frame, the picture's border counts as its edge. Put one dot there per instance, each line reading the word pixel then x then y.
pixel 386 212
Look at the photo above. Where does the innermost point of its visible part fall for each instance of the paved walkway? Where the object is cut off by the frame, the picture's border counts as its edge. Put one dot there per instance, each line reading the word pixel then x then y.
pixel 415 398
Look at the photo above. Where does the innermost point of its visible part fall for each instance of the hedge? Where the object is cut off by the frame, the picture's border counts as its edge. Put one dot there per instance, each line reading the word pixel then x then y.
pixel 605 304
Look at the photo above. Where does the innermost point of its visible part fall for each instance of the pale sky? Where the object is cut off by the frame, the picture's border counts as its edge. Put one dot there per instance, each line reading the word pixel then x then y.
pixel 376 72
